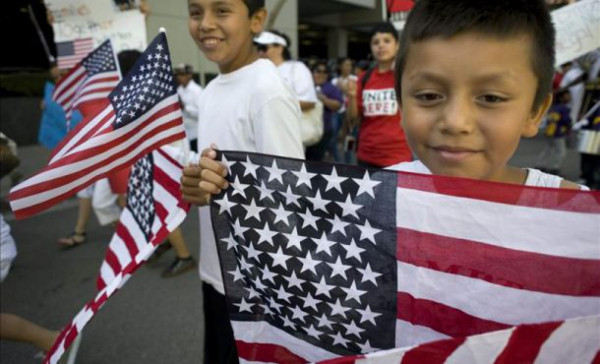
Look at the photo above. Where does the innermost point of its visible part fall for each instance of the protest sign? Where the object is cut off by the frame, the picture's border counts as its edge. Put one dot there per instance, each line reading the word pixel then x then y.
pixel 577 29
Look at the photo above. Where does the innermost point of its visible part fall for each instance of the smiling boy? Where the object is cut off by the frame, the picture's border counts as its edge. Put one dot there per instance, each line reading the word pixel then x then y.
pixel 247 107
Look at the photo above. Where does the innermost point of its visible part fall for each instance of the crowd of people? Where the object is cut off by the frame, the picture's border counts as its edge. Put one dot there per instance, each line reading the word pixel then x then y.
pixel 435 100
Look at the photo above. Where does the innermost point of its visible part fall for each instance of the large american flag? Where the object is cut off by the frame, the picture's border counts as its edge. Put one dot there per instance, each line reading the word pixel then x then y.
pixel 322 261
pixel 154 209
pixel 142 114
pixel 90 81
pixel 72 52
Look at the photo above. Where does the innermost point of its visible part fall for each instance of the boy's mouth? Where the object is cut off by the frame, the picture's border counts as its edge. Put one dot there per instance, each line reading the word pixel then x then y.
pixel 452 153
pixel 210 42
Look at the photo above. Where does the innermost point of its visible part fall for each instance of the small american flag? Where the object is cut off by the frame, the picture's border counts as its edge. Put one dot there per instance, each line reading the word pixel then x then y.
pixel 72 52
pixel 322 261
pixel 94 77
pixel 142 114
pixel 154 209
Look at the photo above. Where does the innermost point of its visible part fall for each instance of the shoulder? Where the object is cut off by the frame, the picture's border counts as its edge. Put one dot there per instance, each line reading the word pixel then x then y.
pixel 538 178
pixel 572 185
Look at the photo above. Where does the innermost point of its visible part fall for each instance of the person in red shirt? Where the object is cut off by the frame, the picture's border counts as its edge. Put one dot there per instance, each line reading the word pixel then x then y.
pixel 373 104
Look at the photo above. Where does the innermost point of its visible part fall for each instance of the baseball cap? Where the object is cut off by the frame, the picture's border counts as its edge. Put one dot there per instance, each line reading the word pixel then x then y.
pixel 183 69
pixel 266 38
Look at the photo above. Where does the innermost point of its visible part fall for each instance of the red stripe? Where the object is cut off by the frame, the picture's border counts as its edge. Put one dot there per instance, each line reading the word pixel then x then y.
pixel 129 241
pixel 596 358
pixel 32 210
pixel 168 184
pixel 441 318
pixel 270 353
pixel 113 262
pixel 46 185
pixel 497 265
pixel 525 343
pixel 432 353
pixel 549 198
pixel 163 232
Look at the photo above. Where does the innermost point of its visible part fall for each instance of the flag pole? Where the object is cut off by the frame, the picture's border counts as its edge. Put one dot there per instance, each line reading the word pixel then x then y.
pixel 185 143
pixel 40 34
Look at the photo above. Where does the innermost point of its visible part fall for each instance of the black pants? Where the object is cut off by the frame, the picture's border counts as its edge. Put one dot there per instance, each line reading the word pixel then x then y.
pixel 219 343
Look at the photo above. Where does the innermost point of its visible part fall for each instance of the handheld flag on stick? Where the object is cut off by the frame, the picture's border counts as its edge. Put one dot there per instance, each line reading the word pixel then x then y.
pixel 154 209
pixel 141 114
pixel 322 261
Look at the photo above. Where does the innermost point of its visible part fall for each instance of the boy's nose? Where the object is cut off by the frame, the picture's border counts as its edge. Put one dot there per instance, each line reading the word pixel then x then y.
pixel 207 22
pixel 458 116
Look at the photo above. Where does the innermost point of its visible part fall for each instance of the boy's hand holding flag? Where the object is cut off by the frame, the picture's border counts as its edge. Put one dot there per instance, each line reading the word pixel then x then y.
pixel 141 114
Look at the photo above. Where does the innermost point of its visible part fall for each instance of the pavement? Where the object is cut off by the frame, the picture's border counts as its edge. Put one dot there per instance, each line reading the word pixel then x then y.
pixel 152 319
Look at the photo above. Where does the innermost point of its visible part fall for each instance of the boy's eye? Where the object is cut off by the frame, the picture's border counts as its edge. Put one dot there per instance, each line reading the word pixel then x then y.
pixel 222 11
pixel 492 99
pixel 428 97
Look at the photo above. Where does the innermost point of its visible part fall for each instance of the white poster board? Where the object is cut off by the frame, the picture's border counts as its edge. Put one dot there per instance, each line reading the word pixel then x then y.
pixel 99 20
pixel 577 29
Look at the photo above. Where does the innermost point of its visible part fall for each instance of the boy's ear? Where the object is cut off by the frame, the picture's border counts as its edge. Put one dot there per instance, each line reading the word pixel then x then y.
pixel 257 21
pixel 535 119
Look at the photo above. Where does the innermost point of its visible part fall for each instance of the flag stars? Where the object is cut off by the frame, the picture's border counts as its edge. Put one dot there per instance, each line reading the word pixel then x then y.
pixel 298 314
pixel 253 211
pixel 294 240
pixel 367 315
pixel 368 274
pixel 338 339
pixel 304 177
pixel 312 331
pixel 349 208
pixel 281 214
pixel 279 258
pixel 308 263
pixel 353 329
pixel 244 306
pixel 367 232
pixel 353 251
pixel 338 268
pixel 334 181
pixel 353 293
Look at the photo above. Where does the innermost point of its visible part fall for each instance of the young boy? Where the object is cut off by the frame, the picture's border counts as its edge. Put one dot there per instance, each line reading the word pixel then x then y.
pixel 473 77
pixel 247 107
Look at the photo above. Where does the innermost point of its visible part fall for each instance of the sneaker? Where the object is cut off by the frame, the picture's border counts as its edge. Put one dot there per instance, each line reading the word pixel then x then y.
pixel 179 266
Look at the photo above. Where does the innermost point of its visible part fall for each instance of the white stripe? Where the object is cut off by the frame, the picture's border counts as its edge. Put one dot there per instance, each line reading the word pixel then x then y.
pixel 392 356
pixel 165 198
pixel 92 96
pixel 38 198
pixel 77 138
pixel 166 165
pixel 100 77
pixel 261 332
pixel 514 227
pixel 483 348
pixel 242 361
pixel 118 247
pixel 489 301
pixel 138 236
pixel 575 341
pixel 106 272
pixel 408 334
pixel 103 84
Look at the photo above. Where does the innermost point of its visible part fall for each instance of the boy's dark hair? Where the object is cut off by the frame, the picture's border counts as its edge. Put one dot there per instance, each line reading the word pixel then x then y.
pixel 384 28
pixel 127 59
pixel 254 6
pixel 286 50
pixel 499 18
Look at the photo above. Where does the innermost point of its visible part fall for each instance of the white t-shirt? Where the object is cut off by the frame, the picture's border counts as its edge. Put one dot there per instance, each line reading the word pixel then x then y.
pixel 299 78
pixel 253 110
pixel 8 249
pixel 189 96
pixel 535 177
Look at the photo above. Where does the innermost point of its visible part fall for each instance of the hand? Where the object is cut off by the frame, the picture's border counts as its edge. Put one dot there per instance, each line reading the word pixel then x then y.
pixel 199 182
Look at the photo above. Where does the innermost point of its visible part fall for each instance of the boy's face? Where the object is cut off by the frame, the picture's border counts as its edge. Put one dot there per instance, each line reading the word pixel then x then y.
pixel 384 47
pixel 466 102
pixel 223 31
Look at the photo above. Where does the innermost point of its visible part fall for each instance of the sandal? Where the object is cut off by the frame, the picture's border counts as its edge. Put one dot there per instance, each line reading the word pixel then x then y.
pixel 72 241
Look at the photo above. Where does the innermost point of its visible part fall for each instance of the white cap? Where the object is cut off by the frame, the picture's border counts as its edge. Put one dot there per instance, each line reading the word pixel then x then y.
pixel 270 38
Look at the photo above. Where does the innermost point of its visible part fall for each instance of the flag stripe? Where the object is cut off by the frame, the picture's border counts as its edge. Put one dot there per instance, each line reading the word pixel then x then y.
pixel 525 342
pixel 427 284
pixel 481 348
pixel 65 85
pixel 250 332
pixel 267 352
pixel 509 194
pixel 510 268
pixel 574 339
pixel 456 220
pixel 408 334
pixel 441 318
pixel 434 353
pixel 128 239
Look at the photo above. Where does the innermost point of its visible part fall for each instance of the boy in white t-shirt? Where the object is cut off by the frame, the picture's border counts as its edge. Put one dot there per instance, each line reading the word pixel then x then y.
pixel 247 107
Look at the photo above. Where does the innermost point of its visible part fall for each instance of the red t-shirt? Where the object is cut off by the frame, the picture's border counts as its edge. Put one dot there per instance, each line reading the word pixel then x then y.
pixel 381 139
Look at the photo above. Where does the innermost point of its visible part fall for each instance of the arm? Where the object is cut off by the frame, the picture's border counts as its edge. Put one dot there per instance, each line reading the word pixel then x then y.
pixel 305 105
pixel 352 114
